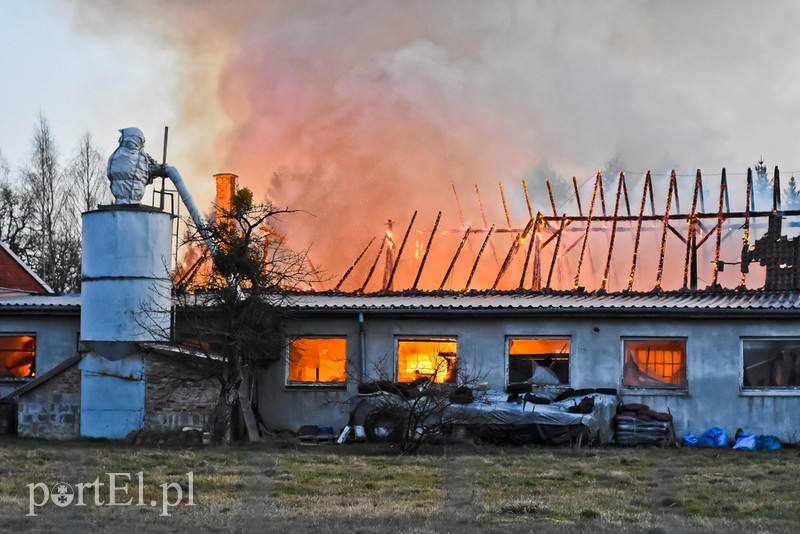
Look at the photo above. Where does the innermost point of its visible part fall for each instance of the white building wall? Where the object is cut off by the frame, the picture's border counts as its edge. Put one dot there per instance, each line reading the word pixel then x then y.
pixel 714 364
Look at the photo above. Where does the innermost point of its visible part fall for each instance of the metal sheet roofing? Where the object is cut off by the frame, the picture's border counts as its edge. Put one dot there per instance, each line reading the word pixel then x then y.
pixel 786 301
pixel 41 301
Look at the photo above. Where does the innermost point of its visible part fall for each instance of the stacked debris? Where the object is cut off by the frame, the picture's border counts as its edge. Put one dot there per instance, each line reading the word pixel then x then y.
pixel 637 424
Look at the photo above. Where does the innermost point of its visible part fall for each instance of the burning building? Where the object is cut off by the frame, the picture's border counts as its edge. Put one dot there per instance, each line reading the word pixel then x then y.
pixel 692 309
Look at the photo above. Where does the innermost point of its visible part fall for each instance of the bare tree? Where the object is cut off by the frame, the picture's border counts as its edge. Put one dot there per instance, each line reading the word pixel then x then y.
pixel 15 213
pixel 87 175
pixel 55 227
pixel 232 306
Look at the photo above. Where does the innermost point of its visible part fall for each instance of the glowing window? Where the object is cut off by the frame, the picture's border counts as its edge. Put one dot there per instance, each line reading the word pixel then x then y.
pixel 538 360
pixel 434 359
pixel 771 363
pixel 314 360
pixel 654 363
pixel 17 356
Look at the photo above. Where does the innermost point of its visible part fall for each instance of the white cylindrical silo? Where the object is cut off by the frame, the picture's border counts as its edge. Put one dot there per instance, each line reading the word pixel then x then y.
pixel 125 284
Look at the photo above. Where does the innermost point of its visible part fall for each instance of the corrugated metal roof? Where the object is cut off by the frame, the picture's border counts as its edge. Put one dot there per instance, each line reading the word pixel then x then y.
pixel 787 301
pixel 41 301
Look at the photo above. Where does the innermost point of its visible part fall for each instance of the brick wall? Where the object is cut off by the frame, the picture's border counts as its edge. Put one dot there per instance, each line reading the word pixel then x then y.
pixel 53 409
pixel 176 395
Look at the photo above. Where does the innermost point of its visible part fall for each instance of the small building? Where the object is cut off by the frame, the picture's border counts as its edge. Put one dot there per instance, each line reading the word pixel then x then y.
pixel 726 358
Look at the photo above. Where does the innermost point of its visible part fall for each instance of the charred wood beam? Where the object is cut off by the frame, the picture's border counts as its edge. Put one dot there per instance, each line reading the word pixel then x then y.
pixel 598 183
pixel 374 264
pixel 453 261
pixel 458 204
pixel 400 252
pixel 776 191
pixel 505 204
pixel 528 254
pixel 478 258
pixel 607 269
pixel 692 222
pixel 625 194
pixel 639 219
pixel 746 235
pixel 358 259
pixel 577 195
pixel 527 198
pixel 486 222
pixel 559 233
pixel 663 248
pixel 548 219
pixel 550 194
pixel 723 196
pixel 427 250
pixel 512 251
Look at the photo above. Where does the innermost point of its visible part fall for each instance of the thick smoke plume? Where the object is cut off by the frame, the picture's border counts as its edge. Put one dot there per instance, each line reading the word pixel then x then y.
pixel 358 112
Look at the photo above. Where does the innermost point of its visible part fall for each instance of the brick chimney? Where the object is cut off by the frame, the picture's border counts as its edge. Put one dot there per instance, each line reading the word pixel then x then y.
pixel 226 187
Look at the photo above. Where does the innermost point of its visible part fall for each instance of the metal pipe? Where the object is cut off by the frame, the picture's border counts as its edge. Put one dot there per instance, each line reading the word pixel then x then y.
pixel 202 226
pixel 362 346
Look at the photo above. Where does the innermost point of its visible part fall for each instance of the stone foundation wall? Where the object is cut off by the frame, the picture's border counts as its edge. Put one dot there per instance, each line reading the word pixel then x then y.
pixel 177 395
pixel 52 410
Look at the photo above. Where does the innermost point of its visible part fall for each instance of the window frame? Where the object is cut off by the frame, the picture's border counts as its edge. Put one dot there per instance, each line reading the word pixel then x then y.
pixel 423 338
pixel 291 384
pixel 18 379
pixel 787 391
pixel 535 336
pixel 654 390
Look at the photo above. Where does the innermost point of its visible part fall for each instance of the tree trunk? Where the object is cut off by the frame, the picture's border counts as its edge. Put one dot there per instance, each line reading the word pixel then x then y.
pixel 221 426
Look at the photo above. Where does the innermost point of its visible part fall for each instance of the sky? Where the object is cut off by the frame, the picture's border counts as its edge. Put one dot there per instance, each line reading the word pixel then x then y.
pixel 357 112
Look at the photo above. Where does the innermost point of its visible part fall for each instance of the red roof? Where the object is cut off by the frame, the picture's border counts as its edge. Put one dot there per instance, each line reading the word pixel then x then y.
pixel 14 274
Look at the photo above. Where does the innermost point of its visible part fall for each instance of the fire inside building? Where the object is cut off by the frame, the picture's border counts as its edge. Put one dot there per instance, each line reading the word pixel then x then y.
pixel 693 312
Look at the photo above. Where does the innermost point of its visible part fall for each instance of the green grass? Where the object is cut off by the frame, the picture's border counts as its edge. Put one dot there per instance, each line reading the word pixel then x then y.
pixel 368 488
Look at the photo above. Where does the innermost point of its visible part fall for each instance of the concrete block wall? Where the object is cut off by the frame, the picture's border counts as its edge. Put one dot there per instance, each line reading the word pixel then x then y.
pixel 53 409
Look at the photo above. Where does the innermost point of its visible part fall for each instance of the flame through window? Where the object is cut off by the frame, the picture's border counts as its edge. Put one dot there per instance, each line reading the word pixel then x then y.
pixel 17 356
pixel 432 358
pixel 317 360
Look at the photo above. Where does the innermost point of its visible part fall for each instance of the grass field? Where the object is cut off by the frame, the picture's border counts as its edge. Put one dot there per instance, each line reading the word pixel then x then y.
pixel 287 487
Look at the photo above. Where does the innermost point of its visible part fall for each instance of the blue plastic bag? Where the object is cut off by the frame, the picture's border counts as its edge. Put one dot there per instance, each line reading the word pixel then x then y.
pixel 767 443
pixel 745 441
pixel 714 438
pixel 690 440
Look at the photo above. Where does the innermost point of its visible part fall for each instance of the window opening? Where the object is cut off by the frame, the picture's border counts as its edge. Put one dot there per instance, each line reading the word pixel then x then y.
pixel 317 360
pixel 654 363
pixel 538 360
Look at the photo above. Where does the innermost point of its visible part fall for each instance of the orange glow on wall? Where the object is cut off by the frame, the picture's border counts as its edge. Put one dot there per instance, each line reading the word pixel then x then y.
pixel 17 356
pixel 434 359
pixel 317 360
pixel 655 363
